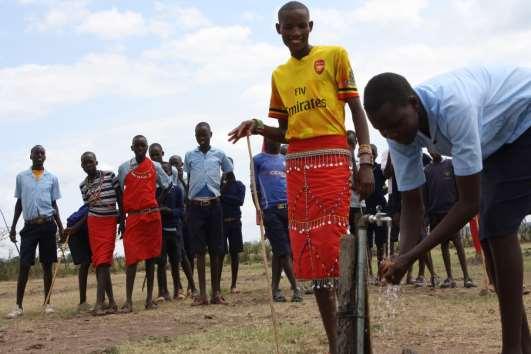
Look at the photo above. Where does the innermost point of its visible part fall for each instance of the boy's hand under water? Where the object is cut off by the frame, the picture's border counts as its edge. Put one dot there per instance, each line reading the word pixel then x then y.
pixel 394 269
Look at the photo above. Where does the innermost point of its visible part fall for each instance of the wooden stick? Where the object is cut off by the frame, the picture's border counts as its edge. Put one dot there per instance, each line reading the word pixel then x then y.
pixel 262 242
pixel 54 276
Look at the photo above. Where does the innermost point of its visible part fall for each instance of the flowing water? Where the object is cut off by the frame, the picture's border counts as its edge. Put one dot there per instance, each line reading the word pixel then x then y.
pixel 388 307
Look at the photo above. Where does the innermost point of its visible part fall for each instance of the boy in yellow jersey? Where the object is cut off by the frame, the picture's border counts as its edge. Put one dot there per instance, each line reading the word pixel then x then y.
pixel 308 97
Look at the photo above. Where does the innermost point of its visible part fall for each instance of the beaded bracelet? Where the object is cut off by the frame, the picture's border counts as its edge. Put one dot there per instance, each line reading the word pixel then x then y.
pixel 364 149
pixel 366 159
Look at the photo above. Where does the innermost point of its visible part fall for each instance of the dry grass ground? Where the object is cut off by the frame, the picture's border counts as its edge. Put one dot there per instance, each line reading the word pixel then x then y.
pixel 425 320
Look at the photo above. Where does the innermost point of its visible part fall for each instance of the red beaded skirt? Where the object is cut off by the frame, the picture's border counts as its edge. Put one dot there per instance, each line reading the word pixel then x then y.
pixel 318 176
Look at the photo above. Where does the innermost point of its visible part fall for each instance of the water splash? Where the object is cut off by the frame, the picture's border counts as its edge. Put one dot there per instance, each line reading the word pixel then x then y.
pixel 388 307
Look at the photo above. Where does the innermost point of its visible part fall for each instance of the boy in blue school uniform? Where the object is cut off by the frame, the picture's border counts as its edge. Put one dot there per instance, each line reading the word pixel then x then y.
pixel 232 198
pixel 439 196
pixel 37 191
pixel 204 166
pixel 481 116
pixel 270 175
pixel 187 259
pixel 172 213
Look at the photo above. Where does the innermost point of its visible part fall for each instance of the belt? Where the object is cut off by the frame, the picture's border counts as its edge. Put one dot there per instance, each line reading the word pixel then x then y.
pixel 204 202
pixel 231 219
pixel 40 220
pixel 143 211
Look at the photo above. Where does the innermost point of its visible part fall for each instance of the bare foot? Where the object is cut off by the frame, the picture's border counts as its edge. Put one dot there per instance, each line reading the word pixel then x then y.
pixel 234 290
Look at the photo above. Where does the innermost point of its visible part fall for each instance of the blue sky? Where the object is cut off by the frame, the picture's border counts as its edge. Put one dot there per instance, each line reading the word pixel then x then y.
pixel 88 75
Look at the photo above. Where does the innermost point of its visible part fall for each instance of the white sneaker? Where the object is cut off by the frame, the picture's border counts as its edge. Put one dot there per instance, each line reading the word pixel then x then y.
pixel 17 312
pixel 48 309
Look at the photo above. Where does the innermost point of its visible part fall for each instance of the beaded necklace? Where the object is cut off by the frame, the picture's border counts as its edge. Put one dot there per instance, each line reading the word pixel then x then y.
pixel 94 191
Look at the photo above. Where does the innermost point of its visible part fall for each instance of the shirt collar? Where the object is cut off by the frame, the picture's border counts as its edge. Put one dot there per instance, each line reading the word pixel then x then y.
pixel 45 172
pixel 429 103
pixel 209 150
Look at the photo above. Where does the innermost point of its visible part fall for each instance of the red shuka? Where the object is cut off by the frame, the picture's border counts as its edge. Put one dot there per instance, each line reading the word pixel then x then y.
pixel 102 236
pixel 318 204
pixel 143 232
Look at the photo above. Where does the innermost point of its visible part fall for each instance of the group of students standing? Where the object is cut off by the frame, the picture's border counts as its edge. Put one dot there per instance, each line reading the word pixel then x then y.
pixel 159 215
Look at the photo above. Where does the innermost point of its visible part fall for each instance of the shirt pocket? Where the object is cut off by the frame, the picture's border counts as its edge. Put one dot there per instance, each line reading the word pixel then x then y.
pixel 44 190
pixel 213 166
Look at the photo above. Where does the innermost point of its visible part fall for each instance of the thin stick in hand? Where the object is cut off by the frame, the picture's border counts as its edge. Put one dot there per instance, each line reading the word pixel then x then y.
pixel 262 242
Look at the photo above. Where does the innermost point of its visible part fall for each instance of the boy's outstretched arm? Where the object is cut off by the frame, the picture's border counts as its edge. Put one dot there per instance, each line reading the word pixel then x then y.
pixel 466 207
pixel 255 126
pixel 365 174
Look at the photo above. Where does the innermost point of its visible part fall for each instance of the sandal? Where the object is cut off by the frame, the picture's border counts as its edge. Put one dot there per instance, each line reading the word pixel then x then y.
pixel 434 281
pixel 297 295
pixel 469 284
pixel 98 311
pixel 198 301
pixel 179 295
pixel 218 300
pixel 420 282
pixel 160 300
pixel 152 305
pixel 111 309
pixel 448 283
pixel 126 308
pixel 278 296
pixel 234 290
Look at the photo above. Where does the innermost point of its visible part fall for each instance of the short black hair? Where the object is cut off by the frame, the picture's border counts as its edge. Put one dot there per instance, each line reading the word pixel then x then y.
pixel 154 145
pixel 139 137
pixel 88 153
pixel 37 147
pixel 292 5
pixel 202 124
pixel 386 88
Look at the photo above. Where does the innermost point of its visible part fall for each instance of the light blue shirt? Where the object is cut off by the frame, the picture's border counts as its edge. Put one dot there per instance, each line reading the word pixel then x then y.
pixel 163 180
pixel 205 170
pixel 471 113
pixel 37 196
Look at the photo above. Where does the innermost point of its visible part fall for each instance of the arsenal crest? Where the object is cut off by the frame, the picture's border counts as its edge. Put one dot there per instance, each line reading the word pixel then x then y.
pixel 319 66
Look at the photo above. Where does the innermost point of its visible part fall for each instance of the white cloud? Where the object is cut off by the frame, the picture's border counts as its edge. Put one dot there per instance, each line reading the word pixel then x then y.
pixel 185 17
pixel 493 15
pixel 96 75
pixel 59 15
pixel 390 11
pixel 113 24
pixel 251 16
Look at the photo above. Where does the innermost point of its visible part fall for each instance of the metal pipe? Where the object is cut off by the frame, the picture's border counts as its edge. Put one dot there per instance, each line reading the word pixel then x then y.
pixel 361 275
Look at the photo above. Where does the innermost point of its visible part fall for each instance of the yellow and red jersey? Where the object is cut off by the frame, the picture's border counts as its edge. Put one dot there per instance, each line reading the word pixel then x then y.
pixel 311 92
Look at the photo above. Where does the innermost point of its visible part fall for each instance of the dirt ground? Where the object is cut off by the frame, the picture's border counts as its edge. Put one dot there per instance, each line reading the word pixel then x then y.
pixel 422 319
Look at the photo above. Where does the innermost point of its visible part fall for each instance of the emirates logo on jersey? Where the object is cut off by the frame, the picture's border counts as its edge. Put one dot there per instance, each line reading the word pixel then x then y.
pixel 319 66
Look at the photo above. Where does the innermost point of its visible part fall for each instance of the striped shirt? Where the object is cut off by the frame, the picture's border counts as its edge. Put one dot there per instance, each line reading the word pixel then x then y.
pixel 100 194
